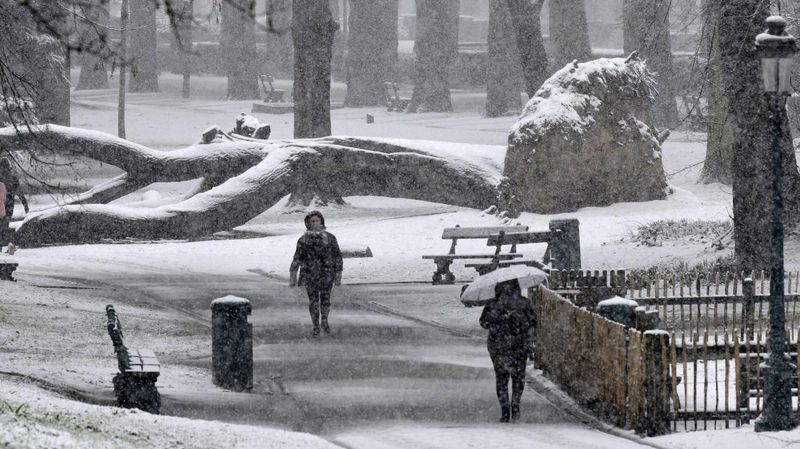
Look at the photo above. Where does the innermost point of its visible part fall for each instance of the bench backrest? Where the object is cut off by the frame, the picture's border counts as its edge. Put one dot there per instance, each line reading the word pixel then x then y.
pixel 479 232
pixel 514 238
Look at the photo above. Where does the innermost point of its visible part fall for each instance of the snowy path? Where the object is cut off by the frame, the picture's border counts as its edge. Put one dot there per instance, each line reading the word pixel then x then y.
pixel 380 381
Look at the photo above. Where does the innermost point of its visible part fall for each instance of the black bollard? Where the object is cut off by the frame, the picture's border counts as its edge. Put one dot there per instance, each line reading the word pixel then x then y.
pixel 232 343
pixel 565 245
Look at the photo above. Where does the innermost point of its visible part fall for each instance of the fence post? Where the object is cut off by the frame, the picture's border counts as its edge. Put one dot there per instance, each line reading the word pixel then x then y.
pixel 657 394
pixel 748 308
pixel 535 298
pixel 565 244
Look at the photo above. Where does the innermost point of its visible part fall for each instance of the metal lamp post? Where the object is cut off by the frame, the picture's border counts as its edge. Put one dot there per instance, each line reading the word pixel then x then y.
pixel 776 49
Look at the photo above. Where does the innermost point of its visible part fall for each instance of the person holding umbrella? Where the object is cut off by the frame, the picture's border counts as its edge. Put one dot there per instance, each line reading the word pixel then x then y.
pixel 509 319
pixel 319 261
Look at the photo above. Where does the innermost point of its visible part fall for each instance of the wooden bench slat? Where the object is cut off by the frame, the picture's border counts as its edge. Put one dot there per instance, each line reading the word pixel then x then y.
pixel 479 232
pixel 508 263
pixel 520 238
pixel 473 256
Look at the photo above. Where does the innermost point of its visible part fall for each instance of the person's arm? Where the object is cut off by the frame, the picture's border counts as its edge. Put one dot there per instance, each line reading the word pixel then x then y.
pixel 296 260
pixel 338 261
pixel 487 316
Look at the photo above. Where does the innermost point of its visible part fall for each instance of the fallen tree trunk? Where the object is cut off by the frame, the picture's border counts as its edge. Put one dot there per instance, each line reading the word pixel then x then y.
pixel 261 174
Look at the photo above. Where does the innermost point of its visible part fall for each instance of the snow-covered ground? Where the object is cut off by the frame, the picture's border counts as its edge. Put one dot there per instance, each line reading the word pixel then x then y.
pixel 48 311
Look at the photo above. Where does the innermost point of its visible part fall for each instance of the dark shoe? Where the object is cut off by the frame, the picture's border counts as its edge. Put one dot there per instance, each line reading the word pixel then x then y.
pixel 325 327
pixel 515 412
pixel 315 332
pixel 504 413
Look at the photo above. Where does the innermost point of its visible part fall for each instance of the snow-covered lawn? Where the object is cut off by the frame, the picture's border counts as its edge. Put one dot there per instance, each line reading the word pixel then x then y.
pixel 34 418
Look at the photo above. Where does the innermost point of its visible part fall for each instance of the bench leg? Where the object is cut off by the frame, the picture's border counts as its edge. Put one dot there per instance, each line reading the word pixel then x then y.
pixel 443 270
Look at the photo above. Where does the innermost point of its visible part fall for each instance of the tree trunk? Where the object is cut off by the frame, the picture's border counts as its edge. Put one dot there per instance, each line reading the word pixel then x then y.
pixel 255 175
pixel 184 20
pixel 313 30
pixel 94 40
pixel 238 45
pixel 526 20
pixel 569 32
pixel 718 165
pixel 50 82
pixel 338 55
pixel 646 30
pixel 280 54
pixel 123 66
pixel 143 46
pixel 371 51
pixel 740 22
pixel 502 91
pixel 435 50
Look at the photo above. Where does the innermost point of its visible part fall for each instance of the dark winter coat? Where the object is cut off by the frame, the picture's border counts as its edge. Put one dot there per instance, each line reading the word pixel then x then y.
pixel 317 255
pixel 509 320
pixel 11 182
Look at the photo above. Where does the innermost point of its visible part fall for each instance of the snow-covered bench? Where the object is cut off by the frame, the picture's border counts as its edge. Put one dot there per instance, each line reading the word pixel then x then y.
pixel 394 101
pixel 443 275
pixel 271 95
pixel 135 384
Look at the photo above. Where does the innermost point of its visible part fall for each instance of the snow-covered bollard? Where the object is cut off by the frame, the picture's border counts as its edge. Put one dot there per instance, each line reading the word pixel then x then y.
pixel 232 343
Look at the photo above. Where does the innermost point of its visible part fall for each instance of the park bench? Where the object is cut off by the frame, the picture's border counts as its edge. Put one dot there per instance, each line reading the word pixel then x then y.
pixel 393 100
pixel 563 247
pixel 135 384
pixel 271 95
pixel 443 275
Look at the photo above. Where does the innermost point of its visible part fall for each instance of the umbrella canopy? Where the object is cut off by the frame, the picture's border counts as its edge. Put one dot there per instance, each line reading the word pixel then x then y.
pixel 481 290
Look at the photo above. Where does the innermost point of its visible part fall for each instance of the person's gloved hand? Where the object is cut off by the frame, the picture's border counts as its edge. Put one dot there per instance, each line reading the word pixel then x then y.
pixel 337 280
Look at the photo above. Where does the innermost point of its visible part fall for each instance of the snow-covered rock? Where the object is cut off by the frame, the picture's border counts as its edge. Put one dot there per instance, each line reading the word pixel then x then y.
pixel 586 139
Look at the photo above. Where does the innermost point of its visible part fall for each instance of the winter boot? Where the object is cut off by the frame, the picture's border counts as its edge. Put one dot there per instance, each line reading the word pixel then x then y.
pixel 514 412
pixel 504 413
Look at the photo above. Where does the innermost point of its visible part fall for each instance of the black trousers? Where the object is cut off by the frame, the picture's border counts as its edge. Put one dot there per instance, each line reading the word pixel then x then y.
pixel 319 301
pixel 5 231
pixel 509 367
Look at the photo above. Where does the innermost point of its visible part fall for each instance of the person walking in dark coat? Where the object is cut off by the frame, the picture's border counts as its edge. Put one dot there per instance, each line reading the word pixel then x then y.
pixel 319 261
pixel 509 319
pixel 9 188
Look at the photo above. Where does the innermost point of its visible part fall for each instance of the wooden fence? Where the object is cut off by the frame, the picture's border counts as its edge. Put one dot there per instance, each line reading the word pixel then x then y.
pixel 718 325
pixel 619 373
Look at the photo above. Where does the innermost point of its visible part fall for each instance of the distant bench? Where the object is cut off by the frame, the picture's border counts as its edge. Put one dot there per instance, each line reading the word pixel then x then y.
pixel 443 275
pixel 563 248
pixel 271 95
